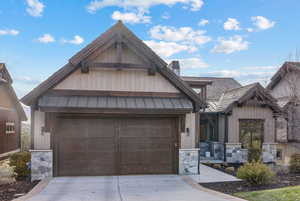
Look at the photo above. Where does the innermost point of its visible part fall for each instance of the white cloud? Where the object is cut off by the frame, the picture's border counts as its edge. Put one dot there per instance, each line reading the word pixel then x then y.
pixel 166 49
pixel 77 40
pixel 262 23
pixel 131 17
pixel 46 38
pixel 27 80
pixel 233 44
pixel 250 30
pixel 185 35
pixel 93 6
pixel 35 8
pixel 232 24
pixel 11 32
pixel 203 22
pixel 192 63
pixel 166 16
pixel 247 75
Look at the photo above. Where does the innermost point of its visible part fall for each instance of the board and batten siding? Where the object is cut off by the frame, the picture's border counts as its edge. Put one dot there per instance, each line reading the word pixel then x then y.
pixel 5 100
pixel 188 140
pixel 113 80
pixel 41 140
pixel 110 56
pixel 222 128
pixel 283 88
pixel 247 112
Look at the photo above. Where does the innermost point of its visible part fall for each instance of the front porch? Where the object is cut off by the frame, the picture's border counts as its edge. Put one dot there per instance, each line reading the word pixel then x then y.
pixel 216 148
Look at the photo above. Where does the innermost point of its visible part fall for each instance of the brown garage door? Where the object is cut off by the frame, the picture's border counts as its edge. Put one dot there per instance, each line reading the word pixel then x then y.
pixel 115 146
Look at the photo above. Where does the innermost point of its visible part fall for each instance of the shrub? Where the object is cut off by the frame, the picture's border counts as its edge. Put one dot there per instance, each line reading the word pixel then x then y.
pixel 295 163
pixel 230 170
pixel 254 154
pixel 255 173
pixel 19 163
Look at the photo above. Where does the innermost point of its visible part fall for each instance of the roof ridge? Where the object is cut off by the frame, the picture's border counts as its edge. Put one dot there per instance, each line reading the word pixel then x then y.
pixel 245 86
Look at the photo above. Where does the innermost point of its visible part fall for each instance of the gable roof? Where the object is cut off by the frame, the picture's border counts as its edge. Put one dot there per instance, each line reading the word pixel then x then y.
pixel 114 34
pixel 218 85
pixel 283 70
pixel 5 74
pixel 12 94
pixel 240 95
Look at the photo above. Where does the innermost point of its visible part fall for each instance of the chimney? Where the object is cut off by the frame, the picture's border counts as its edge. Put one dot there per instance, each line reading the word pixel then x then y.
pixel 175 67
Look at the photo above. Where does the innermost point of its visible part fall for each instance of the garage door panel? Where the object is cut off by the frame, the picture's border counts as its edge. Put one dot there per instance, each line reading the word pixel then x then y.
pixel 147 146
pixel 144 145
pixel 109 146
pixel 146 158
pixel 82 150
pixel 106 144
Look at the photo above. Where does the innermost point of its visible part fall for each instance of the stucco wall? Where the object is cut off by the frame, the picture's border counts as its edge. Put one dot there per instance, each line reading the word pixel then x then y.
pixel 251 113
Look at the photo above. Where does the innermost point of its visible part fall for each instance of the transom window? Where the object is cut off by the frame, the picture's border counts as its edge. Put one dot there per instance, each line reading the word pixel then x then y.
pixel 10 127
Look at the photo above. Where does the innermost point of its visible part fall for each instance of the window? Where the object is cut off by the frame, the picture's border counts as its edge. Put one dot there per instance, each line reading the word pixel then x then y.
pixel 251 133
pixel 279 154
pixel 10 127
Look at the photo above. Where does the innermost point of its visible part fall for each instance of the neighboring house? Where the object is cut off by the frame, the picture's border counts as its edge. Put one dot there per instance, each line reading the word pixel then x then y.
pixel 11 115
pixel 285 87
pixel 238 118
pixel 115 108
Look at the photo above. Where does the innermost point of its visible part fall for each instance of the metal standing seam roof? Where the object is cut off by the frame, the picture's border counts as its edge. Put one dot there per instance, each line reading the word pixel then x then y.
pixel 115 102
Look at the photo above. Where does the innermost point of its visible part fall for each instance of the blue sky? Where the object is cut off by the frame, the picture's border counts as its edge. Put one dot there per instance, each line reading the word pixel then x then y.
pixel 247 39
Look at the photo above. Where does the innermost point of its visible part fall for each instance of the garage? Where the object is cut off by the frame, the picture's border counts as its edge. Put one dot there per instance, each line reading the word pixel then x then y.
pixel 92 146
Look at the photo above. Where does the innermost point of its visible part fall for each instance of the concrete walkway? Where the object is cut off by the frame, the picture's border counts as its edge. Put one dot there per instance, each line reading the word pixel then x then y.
pixel 127 188
pixel 211 175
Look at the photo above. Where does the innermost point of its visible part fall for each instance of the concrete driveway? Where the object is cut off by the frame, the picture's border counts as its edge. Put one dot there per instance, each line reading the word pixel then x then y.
pixel 127 188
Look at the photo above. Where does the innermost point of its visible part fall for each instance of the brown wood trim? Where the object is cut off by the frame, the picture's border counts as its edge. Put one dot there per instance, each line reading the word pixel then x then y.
pixel 118 65
pixel 114 111
pixel 197 129
pixel 195 84
pixel 88 115
pixel 61 92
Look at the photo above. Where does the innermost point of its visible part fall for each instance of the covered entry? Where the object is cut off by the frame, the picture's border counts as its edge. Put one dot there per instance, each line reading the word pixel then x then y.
pixel 114 146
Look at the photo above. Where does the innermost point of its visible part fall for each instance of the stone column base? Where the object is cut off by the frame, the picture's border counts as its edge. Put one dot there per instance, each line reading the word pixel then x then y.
pixel 235 153
pixel 41 164
pixel 188 161
pixel 269 152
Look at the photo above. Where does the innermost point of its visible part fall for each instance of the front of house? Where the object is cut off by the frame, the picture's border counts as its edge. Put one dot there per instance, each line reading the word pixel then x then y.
pixel 115 109
pixel 11 115
pixel 238 120
pixel 284 86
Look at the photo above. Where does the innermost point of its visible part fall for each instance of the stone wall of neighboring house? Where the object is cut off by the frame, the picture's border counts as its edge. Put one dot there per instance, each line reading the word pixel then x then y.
pixel 286 150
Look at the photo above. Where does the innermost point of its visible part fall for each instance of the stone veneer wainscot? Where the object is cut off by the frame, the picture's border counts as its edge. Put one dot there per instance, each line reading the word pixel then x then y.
pixel 41 164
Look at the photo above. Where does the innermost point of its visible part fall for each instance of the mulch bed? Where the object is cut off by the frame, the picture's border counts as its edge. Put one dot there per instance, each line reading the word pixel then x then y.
pixel 281 180
pixel 11 191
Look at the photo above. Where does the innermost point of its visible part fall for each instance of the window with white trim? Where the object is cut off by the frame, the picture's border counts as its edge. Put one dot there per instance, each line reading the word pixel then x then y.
pixel 10 127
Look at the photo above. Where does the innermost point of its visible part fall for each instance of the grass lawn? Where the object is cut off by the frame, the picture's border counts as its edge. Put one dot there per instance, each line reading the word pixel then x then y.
pixel 281 194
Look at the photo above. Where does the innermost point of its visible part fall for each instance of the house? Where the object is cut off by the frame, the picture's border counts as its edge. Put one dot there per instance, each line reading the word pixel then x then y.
pixel 285 87
pixel 237 120
pixel 11 115
pixel 115 108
